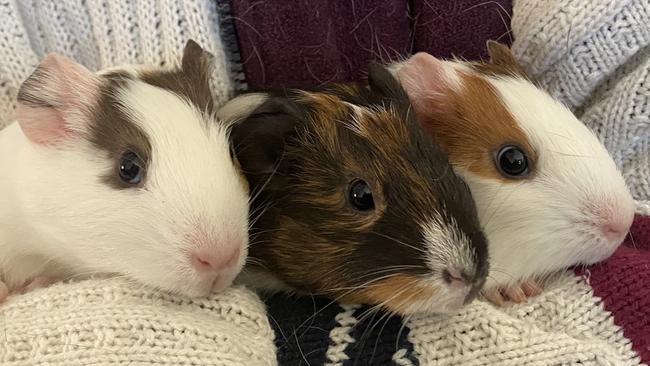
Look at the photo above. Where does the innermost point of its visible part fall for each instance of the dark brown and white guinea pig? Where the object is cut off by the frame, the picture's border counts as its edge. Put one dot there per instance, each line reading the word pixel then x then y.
pixel 357 203
pixel 549 195
pixel 127 171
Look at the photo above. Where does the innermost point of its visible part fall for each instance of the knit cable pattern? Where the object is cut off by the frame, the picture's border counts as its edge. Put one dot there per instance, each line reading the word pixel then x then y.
pixel 112 322
pixel 103 33
pixel 594 56
pixel 566 325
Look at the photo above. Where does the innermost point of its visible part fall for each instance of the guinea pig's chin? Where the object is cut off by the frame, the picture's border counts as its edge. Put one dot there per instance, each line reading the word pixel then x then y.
pixel 223 282
pixel 603 250
pixel 201 287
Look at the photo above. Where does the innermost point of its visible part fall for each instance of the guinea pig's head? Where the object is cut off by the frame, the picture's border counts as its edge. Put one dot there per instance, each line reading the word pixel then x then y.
pixel 548 194
pixel 358 203
pixel 133 173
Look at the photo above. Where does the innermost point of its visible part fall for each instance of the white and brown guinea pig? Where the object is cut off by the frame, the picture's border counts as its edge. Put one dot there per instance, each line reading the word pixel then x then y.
pixel 548 194
pixel 356 202
pixel 126 172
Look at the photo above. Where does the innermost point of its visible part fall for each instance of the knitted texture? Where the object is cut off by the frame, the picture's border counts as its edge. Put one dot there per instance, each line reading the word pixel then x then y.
pixel 100 34
pixel 566 325
pixel 622 281
pixel 112 322
pixel 594 55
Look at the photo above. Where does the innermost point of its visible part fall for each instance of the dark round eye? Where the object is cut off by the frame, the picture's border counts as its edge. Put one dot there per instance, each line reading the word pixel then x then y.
pixel 131 168
pixel 512 161
pixel 361 195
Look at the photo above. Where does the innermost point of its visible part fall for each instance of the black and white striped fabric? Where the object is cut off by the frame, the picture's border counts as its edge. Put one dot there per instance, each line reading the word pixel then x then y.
pixel 318 331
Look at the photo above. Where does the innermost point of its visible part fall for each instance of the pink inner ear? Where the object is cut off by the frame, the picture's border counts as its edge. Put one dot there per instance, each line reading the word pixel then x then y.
pixel 53 102
pixel 428 82
pixel 42 125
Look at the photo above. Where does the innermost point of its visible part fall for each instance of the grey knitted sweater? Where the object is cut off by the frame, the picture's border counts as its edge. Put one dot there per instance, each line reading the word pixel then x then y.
pixel 595 57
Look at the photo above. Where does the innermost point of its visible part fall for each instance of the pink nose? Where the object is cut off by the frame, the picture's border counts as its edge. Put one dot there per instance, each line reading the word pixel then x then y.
pixel 616 228
pixel 211 260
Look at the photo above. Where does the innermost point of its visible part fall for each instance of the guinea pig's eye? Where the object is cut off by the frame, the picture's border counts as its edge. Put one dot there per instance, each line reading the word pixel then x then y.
pixel 131 168
pixel 512 161
pixel 360 195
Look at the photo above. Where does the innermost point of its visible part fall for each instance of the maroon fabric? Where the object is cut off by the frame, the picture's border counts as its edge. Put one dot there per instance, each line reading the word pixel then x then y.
pixel 460 27
pixel 304 43
pixel 623 282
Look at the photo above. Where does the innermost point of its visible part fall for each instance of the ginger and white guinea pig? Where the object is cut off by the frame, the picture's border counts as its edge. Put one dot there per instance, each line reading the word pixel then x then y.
pixel 354 201
pixel 548 194
pixel 127 172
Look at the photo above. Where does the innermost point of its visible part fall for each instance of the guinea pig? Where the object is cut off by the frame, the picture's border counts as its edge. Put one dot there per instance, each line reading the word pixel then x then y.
pixel 549 195
pixel 126 171
pixel 354 201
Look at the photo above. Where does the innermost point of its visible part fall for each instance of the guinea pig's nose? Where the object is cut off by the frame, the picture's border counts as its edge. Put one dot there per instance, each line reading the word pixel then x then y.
pixel 616 228
pixel 455 278
pixel 211 260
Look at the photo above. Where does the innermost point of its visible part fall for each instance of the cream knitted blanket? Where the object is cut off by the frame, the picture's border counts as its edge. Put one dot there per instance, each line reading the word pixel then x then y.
pixel 112 322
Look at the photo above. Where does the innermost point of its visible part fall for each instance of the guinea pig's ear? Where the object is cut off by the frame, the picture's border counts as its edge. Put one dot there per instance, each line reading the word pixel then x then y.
pixel 197 61
pixel 259 138
pixel 383 82
pixel 500 54
pixel 56 100
pixel 428 81
pixel 502 57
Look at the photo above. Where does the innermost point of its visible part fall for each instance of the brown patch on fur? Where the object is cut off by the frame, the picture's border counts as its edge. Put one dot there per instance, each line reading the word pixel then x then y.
pixel 191 80
pixel 473 125
pixel 112 131
pixel 396 293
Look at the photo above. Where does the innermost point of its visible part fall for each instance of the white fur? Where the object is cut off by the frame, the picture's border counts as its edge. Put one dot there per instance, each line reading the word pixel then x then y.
pixel 550 221
pixel 241 106
pixel 57 217
pixel 447 246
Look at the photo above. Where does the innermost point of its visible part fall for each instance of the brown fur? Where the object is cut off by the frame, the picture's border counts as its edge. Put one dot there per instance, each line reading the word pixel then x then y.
pixel 113 132
pixel 191 80
pixel 311 237
pixel 395 293
pixel 477 107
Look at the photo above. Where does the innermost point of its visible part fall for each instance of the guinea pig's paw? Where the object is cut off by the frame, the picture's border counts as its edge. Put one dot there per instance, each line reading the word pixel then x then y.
pixel 36 282
pixel 516 293
pixel 494 296
pixel 532 287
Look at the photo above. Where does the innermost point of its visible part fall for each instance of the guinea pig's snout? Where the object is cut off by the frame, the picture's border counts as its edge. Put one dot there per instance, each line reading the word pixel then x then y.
pixel 215 266
pixel 613 219
pixel 213 260
pixel 463 282
pixel 616 228
pixel 455 278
